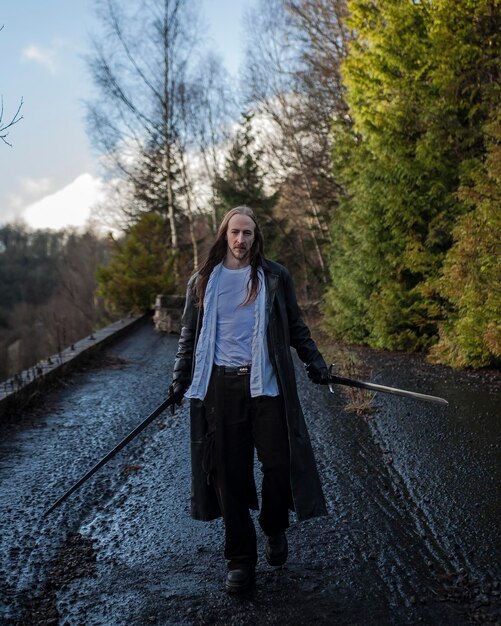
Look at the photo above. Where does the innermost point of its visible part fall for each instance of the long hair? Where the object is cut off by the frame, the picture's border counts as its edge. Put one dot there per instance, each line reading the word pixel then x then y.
pixel 217 254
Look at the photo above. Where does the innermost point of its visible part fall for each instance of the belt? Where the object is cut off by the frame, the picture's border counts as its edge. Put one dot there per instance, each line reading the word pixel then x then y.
pixel 240 370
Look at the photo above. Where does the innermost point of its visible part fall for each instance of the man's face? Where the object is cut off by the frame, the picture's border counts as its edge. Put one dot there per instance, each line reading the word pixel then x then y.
pixel 240 237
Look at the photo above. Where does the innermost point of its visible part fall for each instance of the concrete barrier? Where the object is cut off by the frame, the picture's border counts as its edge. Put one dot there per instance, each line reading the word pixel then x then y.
pixel 18 392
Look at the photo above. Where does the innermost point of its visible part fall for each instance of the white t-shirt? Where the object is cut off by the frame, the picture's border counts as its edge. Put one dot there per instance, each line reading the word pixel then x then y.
pixel 235 321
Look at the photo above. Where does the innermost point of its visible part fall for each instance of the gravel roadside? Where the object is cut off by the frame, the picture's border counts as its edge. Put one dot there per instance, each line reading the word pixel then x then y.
pixel 124 551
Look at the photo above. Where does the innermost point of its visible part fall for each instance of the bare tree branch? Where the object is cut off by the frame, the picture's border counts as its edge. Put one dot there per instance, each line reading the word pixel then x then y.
pixel 142 67
pixel 4 128
pixel 293 78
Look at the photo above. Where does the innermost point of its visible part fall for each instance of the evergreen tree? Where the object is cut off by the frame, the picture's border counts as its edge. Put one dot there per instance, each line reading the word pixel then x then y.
pixel 471 279
pixel 379 252
pixel 470 333
pixel 140 267
pixel 417 78
pixel 243 183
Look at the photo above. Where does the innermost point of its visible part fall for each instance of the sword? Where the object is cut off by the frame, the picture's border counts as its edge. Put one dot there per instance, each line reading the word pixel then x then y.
pixel 160 409
pixel 339 380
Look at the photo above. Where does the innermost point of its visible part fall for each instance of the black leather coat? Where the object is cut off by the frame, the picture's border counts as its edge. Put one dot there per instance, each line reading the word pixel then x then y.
pixel 285 330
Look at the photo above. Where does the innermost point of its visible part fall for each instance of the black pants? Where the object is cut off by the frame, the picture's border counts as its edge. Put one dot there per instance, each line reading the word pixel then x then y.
pixel 237 424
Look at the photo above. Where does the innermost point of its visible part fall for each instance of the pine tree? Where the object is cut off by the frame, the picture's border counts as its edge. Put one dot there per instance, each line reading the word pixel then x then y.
pixel 380 255
pixel 470 333
pixel 419 79
pixel 140 267
pixel 471 279
pixel 243 183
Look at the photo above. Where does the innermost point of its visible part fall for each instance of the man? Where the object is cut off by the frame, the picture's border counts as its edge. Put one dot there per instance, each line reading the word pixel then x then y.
pixel 234 363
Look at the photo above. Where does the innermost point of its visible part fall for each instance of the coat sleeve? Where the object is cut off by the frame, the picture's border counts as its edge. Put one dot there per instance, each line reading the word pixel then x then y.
pixel 300 336
pixel 181 376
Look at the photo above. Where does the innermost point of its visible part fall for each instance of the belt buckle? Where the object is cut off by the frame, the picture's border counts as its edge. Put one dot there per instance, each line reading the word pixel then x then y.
pixel 242 370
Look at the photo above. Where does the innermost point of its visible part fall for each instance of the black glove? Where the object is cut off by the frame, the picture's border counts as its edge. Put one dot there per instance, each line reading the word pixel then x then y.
pixel 318 374
pixel 181 379
pixel 176 393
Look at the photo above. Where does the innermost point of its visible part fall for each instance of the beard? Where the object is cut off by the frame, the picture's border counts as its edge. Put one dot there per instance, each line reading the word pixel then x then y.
pixel 239 252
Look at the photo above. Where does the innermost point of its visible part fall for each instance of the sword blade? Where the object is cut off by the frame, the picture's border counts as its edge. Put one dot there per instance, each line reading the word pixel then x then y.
pixel 160 409
pixel 339 380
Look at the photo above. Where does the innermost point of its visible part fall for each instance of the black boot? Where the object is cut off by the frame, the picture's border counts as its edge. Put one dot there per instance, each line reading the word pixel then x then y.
pixel 277 549
pixel 239 579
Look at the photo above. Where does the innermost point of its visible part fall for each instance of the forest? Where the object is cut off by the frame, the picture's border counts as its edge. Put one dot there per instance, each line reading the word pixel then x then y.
pixel 366 134
pixel 48 298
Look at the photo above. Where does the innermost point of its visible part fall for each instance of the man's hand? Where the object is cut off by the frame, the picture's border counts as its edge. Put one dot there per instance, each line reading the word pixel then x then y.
pixel 318 374
pixel 176 393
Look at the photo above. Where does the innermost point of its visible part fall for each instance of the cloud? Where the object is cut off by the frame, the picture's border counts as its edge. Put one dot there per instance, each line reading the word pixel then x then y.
pixel 44 56
pixel 30 190
pixel 36 186
pixel 70 206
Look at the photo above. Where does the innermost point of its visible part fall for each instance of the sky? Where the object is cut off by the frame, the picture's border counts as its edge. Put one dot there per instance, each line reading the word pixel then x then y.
pixel 49 178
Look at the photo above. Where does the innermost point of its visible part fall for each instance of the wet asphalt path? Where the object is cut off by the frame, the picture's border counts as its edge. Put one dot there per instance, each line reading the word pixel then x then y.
pixel 412 534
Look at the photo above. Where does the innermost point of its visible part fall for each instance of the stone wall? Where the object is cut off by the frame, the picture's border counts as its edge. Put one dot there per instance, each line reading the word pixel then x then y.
pixel 18 392
pixel 168 313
